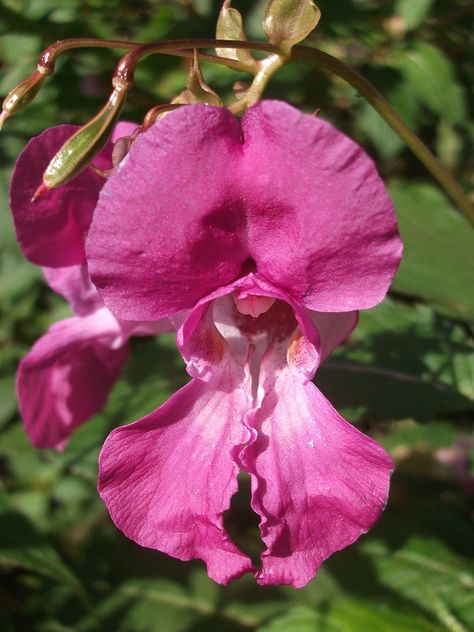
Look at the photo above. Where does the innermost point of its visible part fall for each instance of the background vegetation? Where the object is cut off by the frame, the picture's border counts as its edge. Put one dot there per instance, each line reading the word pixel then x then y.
pixel 406 376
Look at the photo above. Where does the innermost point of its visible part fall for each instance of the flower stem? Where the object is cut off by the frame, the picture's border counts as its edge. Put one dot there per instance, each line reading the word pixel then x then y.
pixel 49 56
pixel 267 67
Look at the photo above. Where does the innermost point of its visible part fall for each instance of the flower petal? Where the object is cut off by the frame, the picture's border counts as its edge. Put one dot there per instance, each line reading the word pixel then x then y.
pixel 51 230
pixel 318 483
pixel 333 329
pixel 73 283
pixel 196 336
pixel 165 233
pixel 67 376
pixel 322 224
pixel 168 478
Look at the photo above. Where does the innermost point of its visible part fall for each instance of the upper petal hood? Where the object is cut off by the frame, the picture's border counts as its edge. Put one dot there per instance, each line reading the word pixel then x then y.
pixel 202 196
pixel 164 234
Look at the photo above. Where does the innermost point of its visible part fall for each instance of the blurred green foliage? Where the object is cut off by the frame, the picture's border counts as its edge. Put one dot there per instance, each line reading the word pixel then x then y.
pixel 406 376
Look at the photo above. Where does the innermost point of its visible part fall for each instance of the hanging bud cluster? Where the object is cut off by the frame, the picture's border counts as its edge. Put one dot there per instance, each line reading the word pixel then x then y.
pixel 286 23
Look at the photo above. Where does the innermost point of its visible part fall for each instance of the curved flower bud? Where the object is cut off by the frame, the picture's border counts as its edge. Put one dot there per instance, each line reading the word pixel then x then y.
pixel 229 27
pixel 288 22
pixel 80 149
pixel 23 93
pixel 67 376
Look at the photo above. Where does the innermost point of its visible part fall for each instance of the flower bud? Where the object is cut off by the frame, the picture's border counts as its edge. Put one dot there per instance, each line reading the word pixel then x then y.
pixel 197 90
pixel 287 22
pixel 23 93
pixel 80 149
pixel 229 27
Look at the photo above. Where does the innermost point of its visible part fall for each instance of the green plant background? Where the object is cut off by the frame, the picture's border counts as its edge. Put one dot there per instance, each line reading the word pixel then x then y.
pixel 406 376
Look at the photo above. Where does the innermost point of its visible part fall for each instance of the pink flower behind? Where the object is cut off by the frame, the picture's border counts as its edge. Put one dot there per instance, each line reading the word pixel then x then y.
pixel 272 232
pixel 67 376
pixel 51 232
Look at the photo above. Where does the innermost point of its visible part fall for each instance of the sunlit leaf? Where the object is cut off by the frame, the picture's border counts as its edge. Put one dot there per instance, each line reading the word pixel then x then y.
pixel 23 547
pixel 402 362
pixel 438 260
pixel 432 78
pixel 413 12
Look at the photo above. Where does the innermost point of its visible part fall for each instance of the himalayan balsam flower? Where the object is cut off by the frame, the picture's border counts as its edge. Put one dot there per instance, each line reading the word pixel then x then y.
pixel 271 232
pixel 67 376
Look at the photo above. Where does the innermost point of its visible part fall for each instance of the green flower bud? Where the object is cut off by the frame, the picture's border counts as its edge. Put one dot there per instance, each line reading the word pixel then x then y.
pixel 23 93
pixel 229 27
pixel 288 22
pixel 197 90
pixel 80 149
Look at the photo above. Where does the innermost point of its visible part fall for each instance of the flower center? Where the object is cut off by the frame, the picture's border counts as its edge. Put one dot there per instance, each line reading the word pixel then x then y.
pixel 253 305
pixel 255 316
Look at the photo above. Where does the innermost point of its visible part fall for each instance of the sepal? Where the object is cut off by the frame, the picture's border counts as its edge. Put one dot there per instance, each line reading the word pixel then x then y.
pixel 229 27
pixel 197 90
pixel 288 22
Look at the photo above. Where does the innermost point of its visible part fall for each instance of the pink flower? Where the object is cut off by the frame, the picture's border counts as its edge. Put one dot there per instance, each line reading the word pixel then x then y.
pixel 272 232
pixel 67 376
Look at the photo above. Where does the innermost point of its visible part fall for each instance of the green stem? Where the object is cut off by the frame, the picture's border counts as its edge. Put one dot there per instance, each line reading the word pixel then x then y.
pixel 266 69
pixel 124 70
pixel 49 56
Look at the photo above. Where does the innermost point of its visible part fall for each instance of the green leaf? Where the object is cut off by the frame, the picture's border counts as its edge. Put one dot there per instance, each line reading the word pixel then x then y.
pixel 402 362
pixel 177 607
pixel 438 260
pixel 23 547
pixel 17 277
pixel 449 144
pixel 163 601
pixel 399 94
pixel 300 619
pixel 413 12
pixel 361 616
pixel 386 141
pixel 432 78
pixel 7 399
pixel 425 572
